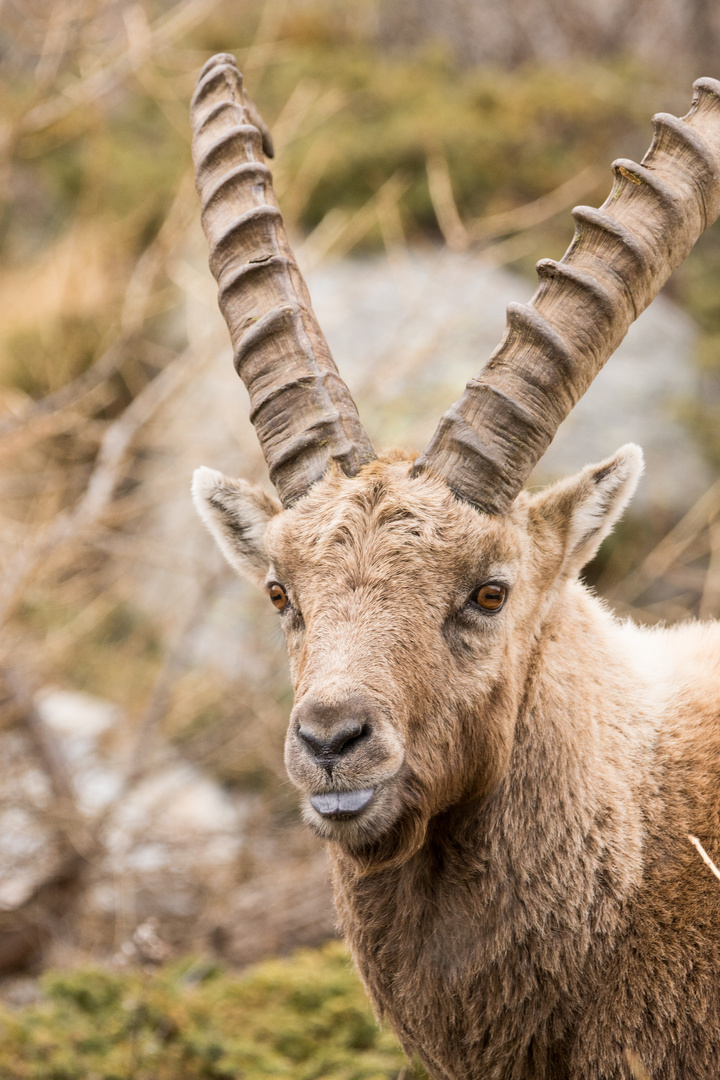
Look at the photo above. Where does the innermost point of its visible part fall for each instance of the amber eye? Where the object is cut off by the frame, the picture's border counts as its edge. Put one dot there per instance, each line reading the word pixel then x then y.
pixel 278 596
pixel 490 597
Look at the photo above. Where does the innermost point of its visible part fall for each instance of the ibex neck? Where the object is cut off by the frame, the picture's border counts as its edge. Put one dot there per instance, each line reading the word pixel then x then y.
pixel 526 889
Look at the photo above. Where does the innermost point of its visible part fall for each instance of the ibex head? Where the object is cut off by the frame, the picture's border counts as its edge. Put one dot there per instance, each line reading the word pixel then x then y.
pixel 411 590
pixel 409 619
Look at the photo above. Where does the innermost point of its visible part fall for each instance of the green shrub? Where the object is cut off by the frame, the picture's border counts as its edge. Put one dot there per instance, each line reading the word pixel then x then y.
pixel 304 1018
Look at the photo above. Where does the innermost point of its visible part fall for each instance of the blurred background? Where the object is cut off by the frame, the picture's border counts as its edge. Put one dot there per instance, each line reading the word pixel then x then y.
pixel 428 152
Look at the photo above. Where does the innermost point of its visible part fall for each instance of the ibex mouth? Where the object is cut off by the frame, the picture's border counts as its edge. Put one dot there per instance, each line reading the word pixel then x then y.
pixel 341 804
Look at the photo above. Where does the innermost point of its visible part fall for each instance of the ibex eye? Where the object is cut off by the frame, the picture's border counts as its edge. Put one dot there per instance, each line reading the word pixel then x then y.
pixel 490 597
pixel 278 596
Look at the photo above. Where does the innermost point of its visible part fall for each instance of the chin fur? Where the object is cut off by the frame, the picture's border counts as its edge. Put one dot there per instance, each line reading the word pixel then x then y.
pixel 359 832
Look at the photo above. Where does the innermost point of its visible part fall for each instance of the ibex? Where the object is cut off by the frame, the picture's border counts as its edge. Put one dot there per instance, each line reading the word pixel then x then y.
pixel 506 774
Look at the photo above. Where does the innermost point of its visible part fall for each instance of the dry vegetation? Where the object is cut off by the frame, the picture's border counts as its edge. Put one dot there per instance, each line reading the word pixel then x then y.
pixel 107 327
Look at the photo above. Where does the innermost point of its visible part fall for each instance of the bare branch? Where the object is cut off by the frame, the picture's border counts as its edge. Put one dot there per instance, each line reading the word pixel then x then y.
pixel 338 232
pixel 443 201
pixel 174 661
pixel 540 210
pixel 673 544
pixel 101 485
pixel 104 79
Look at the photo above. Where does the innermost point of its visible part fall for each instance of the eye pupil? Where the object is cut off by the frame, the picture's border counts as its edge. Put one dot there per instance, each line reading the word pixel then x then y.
pixel 278 596
pixel 490 597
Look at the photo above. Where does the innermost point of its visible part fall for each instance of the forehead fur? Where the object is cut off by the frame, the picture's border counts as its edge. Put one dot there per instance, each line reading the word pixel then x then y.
pixel 384 513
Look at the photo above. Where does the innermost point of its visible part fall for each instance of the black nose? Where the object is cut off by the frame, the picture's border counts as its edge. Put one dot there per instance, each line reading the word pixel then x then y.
pixel 326 750
pixel 331 731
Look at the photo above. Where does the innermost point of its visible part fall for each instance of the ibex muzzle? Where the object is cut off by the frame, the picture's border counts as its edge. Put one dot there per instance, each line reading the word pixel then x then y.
pixel 342 751
pixel 506 773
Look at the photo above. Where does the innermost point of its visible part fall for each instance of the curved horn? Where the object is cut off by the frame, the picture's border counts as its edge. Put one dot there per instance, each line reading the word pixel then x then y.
pixel 302 411
pixel 488 442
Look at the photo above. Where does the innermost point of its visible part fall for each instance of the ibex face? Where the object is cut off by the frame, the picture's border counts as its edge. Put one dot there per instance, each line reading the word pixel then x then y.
pixel 410 619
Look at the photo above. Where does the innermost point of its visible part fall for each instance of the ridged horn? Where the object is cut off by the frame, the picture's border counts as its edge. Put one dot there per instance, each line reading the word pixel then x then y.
pixel 488 442
pixel 302 411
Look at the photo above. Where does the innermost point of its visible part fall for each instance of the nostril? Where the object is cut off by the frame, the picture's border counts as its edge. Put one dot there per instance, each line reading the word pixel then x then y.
pixel 327 748
pixel 342 739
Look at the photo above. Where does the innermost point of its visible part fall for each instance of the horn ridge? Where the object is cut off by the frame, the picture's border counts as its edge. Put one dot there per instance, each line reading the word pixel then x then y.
pixel 302 411
pixel 597 294
pixel 602 232
pixel 220 147
pixel 620 257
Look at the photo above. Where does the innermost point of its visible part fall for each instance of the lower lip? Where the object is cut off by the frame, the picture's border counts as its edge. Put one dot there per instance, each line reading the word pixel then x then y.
pixel 341 804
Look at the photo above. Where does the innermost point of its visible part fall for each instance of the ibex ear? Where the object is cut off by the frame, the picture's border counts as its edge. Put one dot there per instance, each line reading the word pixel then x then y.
pixel 237 514
pixel 581 511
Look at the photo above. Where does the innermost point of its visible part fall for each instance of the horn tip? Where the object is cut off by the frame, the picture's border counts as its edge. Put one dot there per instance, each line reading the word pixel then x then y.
pixel 218 60
pixel 707 85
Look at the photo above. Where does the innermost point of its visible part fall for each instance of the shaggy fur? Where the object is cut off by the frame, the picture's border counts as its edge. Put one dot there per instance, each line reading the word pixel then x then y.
pixel 520 894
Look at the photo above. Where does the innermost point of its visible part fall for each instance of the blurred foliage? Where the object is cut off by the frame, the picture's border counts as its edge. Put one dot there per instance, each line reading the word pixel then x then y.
pixel 508 137
pixel 305 1017
pixel 43 358
pixel 356 117
pixel 115 646
pixel 211 727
